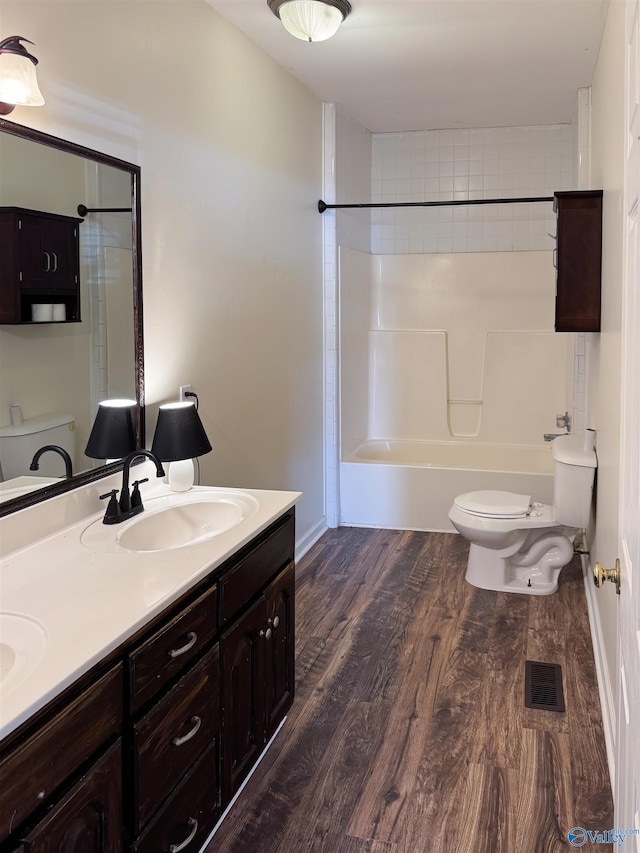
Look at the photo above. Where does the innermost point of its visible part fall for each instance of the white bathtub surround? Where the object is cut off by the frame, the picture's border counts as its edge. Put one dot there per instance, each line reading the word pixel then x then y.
pixel 455 350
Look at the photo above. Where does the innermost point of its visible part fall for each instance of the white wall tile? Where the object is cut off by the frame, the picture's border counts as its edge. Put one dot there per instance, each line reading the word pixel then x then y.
pixel 474 163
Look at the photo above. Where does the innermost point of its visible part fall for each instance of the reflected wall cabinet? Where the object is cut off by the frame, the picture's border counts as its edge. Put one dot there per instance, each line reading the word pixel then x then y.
pixel 40 266
pixel 578 260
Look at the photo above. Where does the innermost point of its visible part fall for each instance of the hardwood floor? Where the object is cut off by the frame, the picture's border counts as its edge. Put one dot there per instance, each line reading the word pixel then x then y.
pixel 409 732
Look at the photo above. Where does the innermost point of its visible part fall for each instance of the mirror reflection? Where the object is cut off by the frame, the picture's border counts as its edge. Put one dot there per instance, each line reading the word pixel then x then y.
pixel 64 347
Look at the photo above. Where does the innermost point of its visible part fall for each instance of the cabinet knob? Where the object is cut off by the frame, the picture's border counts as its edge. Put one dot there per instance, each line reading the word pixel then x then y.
pixel 193 824
pixel 266 634
pixel 275 621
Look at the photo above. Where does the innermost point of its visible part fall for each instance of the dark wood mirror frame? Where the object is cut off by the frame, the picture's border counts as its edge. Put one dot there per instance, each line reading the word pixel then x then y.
pixel 74 482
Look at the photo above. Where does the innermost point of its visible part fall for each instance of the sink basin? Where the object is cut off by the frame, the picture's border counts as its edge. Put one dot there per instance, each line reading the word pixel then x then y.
pixel 174 521
pixel 23 642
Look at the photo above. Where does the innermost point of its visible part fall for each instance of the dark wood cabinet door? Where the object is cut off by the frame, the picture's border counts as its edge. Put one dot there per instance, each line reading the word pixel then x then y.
pixel 279 648
pixel 49 253
pixel 89 818
pixel 33 771
pixel 578 260
pixel 243 725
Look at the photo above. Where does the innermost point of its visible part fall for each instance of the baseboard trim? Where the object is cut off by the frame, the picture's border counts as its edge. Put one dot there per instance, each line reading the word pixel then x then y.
pixel 241 788
pixel 310 538
pixel 605 687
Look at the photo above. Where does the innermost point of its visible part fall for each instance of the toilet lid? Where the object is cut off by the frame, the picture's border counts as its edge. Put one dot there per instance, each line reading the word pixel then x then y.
pixel 492 504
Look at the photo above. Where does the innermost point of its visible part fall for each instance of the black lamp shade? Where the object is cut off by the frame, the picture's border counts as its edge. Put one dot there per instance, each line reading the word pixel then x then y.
pixel 113 435
pixel 179 433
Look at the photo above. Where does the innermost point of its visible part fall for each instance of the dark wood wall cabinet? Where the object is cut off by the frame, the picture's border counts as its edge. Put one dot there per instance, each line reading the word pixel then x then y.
pixel 578 260
pixel 40 266
pixel 143 754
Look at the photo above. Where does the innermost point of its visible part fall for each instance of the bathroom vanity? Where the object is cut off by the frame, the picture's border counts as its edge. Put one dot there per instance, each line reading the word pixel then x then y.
pixel 160 679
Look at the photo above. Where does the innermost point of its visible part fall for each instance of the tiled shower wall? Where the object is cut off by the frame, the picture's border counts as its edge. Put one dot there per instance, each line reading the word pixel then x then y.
pixel 482 163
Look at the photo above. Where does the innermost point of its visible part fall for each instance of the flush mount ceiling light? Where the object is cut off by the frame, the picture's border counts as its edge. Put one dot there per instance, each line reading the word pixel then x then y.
pixel 18 80
pixel 311 20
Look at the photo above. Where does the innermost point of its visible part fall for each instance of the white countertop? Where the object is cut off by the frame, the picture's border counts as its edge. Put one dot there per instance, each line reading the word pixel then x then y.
pixel 88 602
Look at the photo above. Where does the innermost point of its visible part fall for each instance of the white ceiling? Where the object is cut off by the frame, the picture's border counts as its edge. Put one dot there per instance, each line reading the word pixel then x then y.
pixel 430 64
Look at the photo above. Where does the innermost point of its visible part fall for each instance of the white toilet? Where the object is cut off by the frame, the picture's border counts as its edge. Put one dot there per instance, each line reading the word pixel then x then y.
pixel 518 545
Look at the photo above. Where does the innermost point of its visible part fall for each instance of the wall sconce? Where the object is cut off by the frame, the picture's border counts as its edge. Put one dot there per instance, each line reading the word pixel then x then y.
pixel 311 20
pixel 18 80
pixel 113 434
pixel 179 437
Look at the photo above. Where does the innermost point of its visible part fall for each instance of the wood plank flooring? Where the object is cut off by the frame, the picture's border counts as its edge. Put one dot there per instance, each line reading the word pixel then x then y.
pixel 409 732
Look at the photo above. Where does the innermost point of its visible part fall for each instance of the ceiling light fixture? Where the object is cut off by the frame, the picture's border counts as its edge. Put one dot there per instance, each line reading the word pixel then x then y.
pixel 311 20
pixel 18 80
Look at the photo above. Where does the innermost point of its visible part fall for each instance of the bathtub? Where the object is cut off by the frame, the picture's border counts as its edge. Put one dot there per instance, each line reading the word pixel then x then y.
pixel 410 485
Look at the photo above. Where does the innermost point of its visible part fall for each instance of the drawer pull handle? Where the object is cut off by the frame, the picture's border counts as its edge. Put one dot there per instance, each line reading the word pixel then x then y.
pixel 196 722
pixel 191 637
pixel 176 848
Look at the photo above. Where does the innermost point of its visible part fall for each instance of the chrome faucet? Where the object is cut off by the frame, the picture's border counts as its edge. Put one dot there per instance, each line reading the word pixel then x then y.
pixel 35 462
pixel 561 421
pixel 129 504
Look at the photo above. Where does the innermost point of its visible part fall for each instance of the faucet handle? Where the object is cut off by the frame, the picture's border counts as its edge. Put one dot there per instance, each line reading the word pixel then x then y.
pixel 113 509
pixel 136 497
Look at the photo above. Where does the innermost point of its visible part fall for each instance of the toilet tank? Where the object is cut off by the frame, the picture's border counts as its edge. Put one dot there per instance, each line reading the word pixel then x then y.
pixel 574 473
pixel 19 443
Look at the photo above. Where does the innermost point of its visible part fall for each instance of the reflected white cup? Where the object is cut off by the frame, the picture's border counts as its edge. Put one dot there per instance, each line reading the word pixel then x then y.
pixel 59 311
pixel 42 313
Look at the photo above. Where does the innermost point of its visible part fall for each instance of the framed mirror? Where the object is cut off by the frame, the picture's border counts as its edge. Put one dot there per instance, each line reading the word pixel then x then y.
pixel 62 354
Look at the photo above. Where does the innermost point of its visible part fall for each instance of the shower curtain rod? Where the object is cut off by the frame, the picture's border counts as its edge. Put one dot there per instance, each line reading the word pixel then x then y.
pixel 322 206
pixel 82 210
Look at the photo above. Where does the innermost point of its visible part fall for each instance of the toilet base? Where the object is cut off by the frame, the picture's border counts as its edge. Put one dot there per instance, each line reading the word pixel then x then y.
pixel 533 570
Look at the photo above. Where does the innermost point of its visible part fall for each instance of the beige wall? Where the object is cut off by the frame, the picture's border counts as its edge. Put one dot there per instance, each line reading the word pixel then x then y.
pixel 230 150
pixel 603 354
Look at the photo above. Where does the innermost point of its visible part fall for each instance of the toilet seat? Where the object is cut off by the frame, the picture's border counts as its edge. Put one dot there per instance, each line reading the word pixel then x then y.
pixel 494 504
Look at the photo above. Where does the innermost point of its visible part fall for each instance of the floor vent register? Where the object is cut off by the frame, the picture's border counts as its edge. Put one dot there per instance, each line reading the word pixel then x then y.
pixel 543 686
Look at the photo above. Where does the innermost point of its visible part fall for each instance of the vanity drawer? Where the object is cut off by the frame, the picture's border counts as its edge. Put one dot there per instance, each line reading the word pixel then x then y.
pixel 189 815
pixel 170 649
pixel 175 732
pixel 256 569
pixel 33 770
